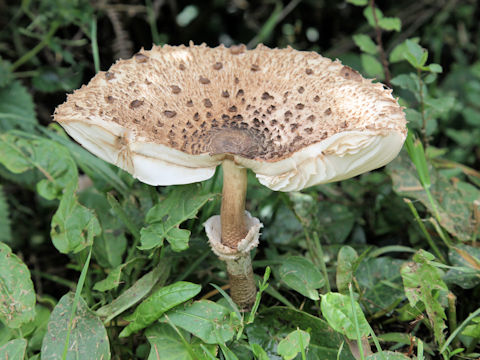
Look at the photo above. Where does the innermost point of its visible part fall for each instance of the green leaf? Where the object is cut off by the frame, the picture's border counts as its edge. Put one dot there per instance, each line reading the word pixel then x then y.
pixel 158 303
pixel 56 168
pixel 474 329
pixel 368 13
pixel 338 312
pixel 165 218
pixel 52 79
pixel 324 342
pixel 166 344
pixel 39 325
pixel 358 2
pixel 5 231
pixel 388 355
pixel 435 68
pixel 136 292
pixel 347 258
pixel 365 43
pixel 88 337
pixel 467 257
pixel 372 66
pixel 295 342
pixel 397 54
pixel 111 281
pixel 16 108
pixel 423 282
pixel 5 73
pixel 302 276
pixel 259 353
pixel 407 82
pixel 205 319
pixel 415 55
pixel 73 225
pixel 390 23
pixel 17 296
pixel 381 282
pixel 14 350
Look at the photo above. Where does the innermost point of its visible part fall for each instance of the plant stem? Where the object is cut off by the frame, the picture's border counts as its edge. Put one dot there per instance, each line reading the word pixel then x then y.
pixel 383 56
pixel 234 230
pixel 232 210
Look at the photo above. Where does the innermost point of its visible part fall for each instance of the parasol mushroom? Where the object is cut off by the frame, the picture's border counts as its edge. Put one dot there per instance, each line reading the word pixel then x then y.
pixel 172 114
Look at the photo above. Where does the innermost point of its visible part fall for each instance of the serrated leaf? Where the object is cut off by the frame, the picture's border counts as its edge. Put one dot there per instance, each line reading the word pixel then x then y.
pixel 347 258
pixel 205 319
pixel 423 282
pixel 56 168
pixel 5 231
pixel 88 337
pixel 14 350
pixel 293 344
pixel 365 43
pixel 158 303
pixel 166 344
pixel 16 108
pixel 415 55
pixel 165 218
pixel 302 276
pixel 73 225
pixel 17 296
pixel 337 310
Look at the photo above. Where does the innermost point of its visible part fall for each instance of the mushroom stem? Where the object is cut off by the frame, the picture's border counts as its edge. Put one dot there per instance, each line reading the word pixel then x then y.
pixel 232 211
pixel 234 230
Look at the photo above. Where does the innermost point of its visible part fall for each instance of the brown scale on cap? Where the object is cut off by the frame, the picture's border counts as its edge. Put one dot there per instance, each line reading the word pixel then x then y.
pixel 228 102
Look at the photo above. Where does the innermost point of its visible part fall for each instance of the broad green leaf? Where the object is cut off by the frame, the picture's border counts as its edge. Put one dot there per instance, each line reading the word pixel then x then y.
pixel 365 43
pixel 397 54
pixel 165 218
pixel 464 256
pixel 454 203
pixel 56 168
pixel 473 330
pixel 259 353
pixel 13 350
pixel 390 23
pixel 324 342
pixel 368 13
pixel 337 310
pixel 407 82
pixel 16 108
pixel 293 344
pixel 111 281
pixel 358 2
pixel 55 78
pixel 39 324
pixel 388 355
pixel 302 276
pixel 73 225
pixel 415 55
pixel 347 258
pixel 381 282
pixel 435 68
pixel 205 319
pixel 136 292
pixel 166 344
pixel 88 337
pixel 158 303
pixel 372 66
pixel 5 231
pixel 423 282
pixel 17 295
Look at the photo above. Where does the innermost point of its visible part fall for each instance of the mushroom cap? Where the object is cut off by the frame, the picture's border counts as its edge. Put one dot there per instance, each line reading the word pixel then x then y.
pixel 170 115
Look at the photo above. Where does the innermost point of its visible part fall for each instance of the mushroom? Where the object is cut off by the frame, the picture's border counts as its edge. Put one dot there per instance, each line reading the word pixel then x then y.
pixel 172 114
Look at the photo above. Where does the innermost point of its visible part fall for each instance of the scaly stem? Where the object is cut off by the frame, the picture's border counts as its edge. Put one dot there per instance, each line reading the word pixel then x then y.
pixel 234 229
